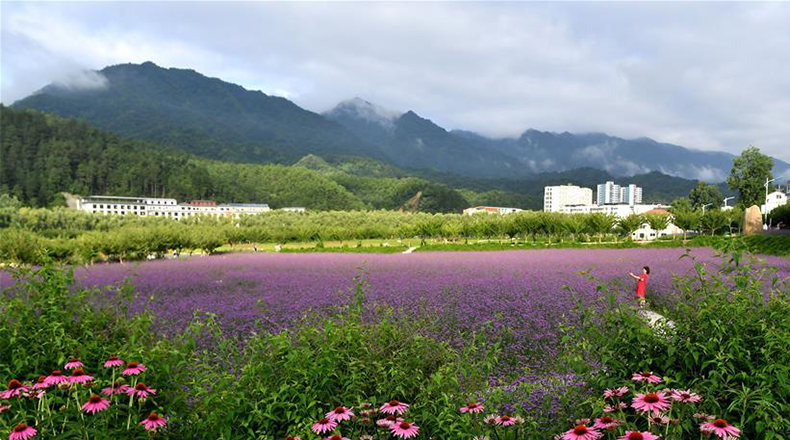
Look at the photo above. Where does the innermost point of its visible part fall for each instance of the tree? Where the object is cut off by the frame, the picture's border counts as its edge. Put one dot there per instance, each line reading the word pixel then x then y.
pixel 704 194
pixel 687 220
pixel 748 175
pixel 600 224
pixel 628 225
pixel 681 205
pixel 657 222
pixel 714 220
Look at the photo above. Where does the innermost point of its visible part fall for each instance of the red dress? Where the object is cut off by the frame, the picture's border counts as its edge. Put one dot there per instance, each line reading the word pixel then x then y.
pixel 640 285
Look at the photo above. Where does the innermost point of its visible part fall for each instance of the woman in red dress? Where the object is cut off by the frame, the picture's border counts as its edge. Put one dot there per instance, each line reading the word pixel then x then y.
pixel 640 284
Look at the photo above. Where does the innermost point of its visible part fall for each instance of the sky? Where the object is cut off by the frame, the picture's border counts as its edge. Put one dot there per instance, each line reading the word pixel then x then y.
pixel 710 76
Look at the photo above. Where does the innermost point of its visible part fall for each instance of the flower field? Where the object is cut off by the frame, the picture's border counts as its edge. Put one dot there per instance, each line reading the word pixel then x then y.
pixel 503 330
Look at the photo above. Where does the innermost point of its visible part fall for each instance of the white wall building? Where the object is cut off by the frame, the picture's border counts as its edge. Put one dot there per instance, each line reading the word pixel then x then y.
pixel 618 211
pixel 773 201
pixel 645 232
pixel 490 210
pixel 162 207
pixel 631 194
pixel 557 197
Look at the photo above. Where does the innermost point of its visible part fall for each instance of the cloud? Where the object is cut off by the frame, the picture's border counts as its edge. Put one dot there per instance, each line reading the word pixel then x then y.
pixel 701 75
pixel 81 80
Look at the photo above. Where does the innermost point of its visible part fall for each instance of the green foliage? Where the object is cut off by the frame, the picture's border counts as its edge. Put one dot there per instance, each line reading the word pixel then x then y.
pixel 657 222
pixel 706 194
pixel 748 175
pixel 728 339
pixel 714 220
pixel 629 224
pixel 779 216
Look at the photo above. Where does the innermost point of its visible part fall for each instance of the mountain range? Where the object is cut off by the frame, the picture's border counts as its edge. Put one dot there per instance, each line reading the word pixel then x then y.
pixel 185 110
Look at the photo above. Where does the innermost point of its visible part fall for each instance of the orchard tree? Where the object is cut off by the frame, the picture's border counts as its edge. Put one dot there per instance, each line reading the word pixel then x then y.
pixel 748 175
pixel 704 194
pixel 657 222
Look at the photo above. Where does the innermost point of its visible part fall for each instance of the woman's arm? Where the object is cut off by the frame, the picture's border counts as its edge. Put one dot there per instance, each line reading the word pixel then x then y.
pixel 633 276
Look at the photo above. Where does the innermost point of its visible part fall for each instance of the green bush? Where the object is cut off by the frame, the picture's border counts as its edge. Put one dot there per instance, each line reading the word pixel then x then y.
pixel 728 339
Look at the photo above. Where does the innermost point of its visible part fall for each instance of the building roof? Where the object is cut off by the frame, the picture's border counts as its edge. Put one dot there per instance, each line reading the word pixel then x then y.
pixel 657 211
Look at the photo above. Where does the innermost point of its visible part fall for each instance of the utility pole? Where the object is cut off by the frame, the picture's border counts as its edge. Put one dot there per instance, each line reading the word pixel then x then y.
pixel 705 206
pixel 725 201
pixel 765 204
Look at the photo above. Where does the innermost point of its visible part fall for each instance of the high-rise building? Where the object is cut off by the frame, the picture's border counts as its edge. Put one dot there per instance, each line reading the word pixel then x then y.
pixel 557 197
pixel 631 194
pixel 608 193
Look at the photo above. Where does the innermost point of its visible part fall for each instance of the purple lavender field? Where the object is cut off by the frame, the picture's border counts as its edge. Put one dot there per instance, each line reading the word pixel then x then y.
pixel 520 294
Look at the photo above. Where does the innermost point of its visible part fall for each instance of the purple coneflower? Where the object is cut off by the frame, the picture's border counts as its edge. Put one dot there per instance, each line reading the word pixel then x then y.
pixel 721 428
pixel 115 388
pixel 606 422
pixel 113 362
pixel 41 383
pixel 96 404
pixel 581 432
pixel 73 364
pixel 140 390
pixel 658 419
pixel 636 435
pixel 614 408
pixel 14 389
pixel 55 378
pixel 394 407
pixel 505 421
pixel 335 437
pixel 133 369
pixel 4 408
pixel 473 408
pixel 324 425
pixel 404 429
pixel 22 432
pixel 651 402
pixel 703 416
pixel 646 376
pixel 685 396
pixel 79 376
pixel 339 414
pixel 290 437
pixel 388 421
pixel 615 392
pixel 153 422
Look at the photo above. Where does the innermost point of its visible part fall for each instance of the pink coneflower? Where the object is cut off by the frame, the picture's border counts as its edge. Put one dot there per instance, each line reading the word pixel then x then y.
pixel 404 429
pixel 505 421
pixel 636 435
pixel 15 388
pixel 4 408
pixel 153 422
pixel 388 421
pixel 56 377
pixel 79 376
pixel 113 362
pixel 473 408
pixel 22 432
pixel 140 390
pixel 73 364
pixel 658 419
pixel 339 414
pixel 615 392
pixel 41 383
pixel 95 404
pixel 655 402
pixel 394 407
pixel 581 432
pixel 290 437
pixel 335 437
pixel 646 376
pixel 490 419
pixel 614 408
pixel 324 425
pixel 606 422
pixel 35 394
pixel 721 428
pixel 133 369
pixel 115 388
pixel 685 396
pixel 703 416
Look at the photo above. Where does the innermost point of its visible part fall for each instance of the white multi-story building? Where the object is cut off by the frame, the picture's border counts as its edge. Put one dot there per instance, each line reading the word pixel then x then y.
pixel 557 197
pixel 773 201
pixel 610 193
pixel 162 207
pixel 490 210
pixel 631 194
